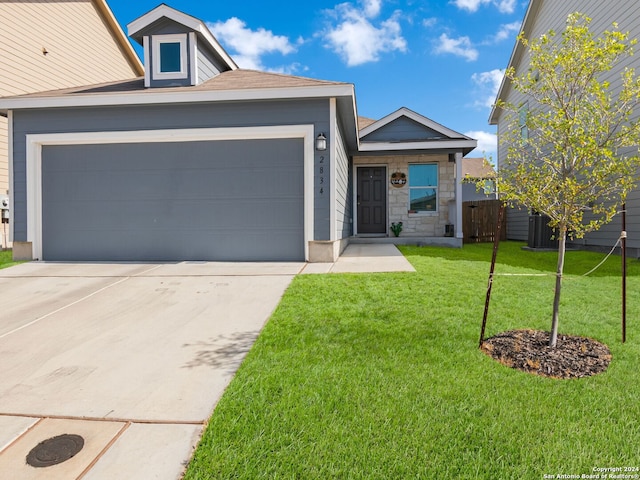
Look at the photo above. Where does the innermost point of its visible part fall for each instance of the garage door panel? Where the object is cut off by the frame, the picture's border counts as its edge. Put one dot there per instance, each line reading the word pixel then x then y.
pixel 222 200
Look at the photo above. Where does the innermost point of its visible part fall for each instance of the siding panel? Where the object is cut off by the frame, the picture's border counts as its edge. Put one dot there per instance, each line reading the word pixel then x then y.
pixel 343 190
pixel 402 129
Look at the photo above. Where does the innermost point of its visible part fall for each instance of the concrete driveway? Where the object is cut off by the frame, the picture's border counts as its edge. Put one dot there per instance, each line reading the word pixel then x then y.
pixel 130 357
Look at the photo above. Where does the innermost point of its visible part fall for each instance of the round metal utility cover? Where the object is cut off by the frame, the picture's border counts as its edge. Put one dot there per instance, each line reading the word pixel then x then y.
pixel 55 450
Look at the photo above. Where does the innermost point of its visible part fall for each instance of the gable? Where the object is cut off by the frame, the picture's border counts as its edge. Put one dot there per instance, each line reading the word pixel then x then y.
pixel 179 50
pixel 407 130
pixel 403 129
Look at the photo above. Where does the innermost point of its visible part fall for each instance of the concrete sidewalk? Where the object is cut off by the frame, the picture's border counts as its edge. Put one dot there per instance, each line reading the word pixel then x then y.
pixel 132 357
pixel 364 258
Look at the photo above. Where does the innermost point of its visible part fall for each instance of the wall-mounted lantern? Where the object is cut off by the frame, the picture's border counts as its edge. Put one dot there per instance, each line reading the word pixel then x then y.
pixel 321 142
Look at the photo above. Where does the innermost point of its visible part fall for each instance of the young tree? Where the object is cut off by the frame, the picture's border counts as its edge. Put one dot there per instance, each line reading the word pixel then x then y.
pixel 573 143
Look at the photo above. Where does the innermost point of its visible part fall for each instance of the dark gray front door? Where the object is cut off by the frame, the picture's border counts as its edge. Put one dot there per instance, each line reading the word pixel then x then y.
pixel 372 200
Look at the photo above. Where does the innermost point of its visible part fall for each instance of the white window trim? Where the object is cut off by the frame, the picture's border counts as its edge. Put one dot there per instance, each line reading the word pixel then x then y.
pixel 157 41
pixel 436 187
pixel 35 142
pixel 147 69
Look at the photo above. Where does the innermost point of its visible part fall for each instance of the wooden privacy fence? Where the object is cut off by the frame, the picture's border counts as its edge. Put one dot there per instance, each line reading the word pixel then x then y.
pixel 480 220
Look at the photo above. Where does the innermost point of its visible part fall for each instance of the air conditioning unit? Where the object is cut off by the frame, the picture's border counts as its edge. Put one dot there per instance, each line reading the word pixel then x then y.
pixel 541 235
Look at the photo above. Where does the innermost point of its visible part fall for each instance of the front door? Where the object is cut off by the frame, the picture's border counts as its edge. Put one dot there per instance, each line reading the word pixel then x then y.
pixel 372 200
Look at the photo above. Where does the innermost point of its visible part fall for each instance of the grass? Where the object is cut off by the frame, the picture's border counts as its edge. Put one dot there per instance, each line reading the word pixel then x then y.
pixel 379 376
pixel 6 259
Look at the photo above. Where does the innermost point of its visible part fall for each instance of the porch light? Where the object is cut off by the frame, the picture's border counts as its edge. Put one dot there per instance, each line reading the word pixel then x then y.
pixel 321 142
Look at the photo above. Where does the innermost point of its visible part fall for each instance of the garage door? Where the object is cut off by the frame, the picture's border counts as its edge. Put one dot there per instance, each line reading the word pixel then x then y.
pixel 217 200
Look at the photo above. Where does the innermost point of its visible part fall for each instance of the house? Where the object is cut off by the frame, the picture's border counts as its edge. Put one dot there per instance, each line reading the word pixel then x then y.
pixel 475 170
pixel 202 160
pixel 50 44
pixel 421 158
pixel 542 16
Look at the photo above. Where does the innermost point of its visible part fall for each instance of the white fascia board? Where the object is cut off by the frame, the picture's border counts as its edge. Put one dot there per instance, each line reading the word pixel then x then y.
pixel 405 112
pixel 204 31
pixel 159 98
pixel 333 150
pixel 433 145
pixel 121 38
pixel 355 117
pixel 159 12
pixel 35 142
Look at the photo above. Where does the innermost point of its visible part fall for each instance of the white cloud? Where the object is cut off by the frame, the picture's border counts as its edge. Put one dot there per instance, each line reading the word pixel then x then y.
pixel 487 144
pixel 469 5
pixel 429 22
pixel 506 30
pixel 489 84
pixel 250 45
pixel 355 37
pixel 460 46
pixel 506 6
pixel 372 8
pixel 503 6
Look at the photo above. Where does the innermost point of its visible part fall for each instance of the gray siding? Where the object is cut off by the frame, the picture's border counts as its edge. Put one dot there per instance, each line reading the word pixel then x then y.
pixel 517 224
pixel 207 67
pixel 217 200
pixel 344 215
pixel 402 129
pixel 552 14
pixel 155 117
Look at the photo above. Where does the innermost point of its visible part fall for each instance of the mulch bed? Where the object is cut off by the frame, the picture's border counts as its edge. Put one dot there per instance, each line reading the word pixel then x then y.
pixel 529 351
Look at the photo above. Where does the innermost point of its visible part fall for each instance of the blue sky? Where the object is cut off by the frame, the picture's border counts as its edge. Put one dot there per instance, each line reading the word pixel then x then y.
pixel 441 58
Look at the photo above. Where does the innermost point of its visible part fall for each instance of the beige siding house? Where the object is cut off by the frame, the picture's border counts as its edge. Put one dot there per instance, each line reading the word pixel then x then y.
pixel 52 44
pixel 541 16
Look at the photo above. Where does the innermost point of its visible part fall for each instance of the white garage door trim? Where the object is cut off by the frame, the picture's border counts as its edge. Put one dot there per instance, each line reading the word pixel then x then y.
pixel 35 142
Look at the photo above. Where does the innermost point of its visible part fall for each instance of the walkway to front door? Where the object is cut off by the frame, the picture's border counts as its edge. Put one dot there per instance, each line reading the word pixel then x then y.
pixel 372 200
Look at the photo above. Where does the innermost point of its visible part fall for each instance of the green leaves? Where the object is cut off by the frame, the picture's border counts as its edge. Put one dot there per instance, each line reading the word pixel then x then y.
pixel 581 145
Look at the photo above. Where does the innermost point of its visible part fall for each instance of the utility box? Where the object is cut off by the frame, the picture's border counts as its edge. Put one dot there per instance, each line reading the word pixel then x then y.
pixel 541 235
pixel 4 215
pixel 4 208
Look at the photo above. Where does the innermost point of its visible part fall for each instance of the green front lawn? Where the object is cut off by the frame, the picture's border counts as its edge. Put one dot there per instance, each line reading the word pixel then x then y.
pixel 379 376
pixel 6 259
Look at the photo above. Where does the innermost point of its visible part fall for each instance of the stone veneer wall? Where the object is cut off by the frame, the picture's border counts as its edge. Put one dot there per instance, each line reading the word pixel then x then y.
pixel 416 224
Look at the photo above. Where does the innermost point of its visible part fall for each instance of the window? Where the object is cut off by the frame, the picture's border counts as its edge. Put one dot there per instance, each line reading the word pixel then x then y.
pixel 522 121
pixel 169 57
pixel 423 188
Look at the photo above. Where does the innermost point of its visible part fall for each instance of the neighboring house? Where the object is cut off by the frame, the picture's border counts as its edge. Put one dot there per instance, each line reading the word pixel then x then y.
pixel 474 171
pixel 541 16
pixel 201 160
pixel 49 44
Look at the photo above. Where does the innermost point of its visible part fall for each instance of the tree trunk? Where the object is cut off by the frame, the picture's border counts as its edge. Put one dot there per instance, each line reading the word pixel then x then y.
pixel 562 232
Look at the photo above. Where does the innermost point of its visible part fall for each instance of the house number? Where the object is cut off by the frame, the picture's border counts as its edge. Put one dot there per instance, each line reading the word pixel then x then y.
pixel 321 171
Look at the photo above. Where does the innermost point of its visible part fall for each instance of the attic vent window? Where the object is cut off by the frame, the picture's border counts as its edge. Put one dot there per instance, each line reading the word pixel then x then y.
pixel 169 57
